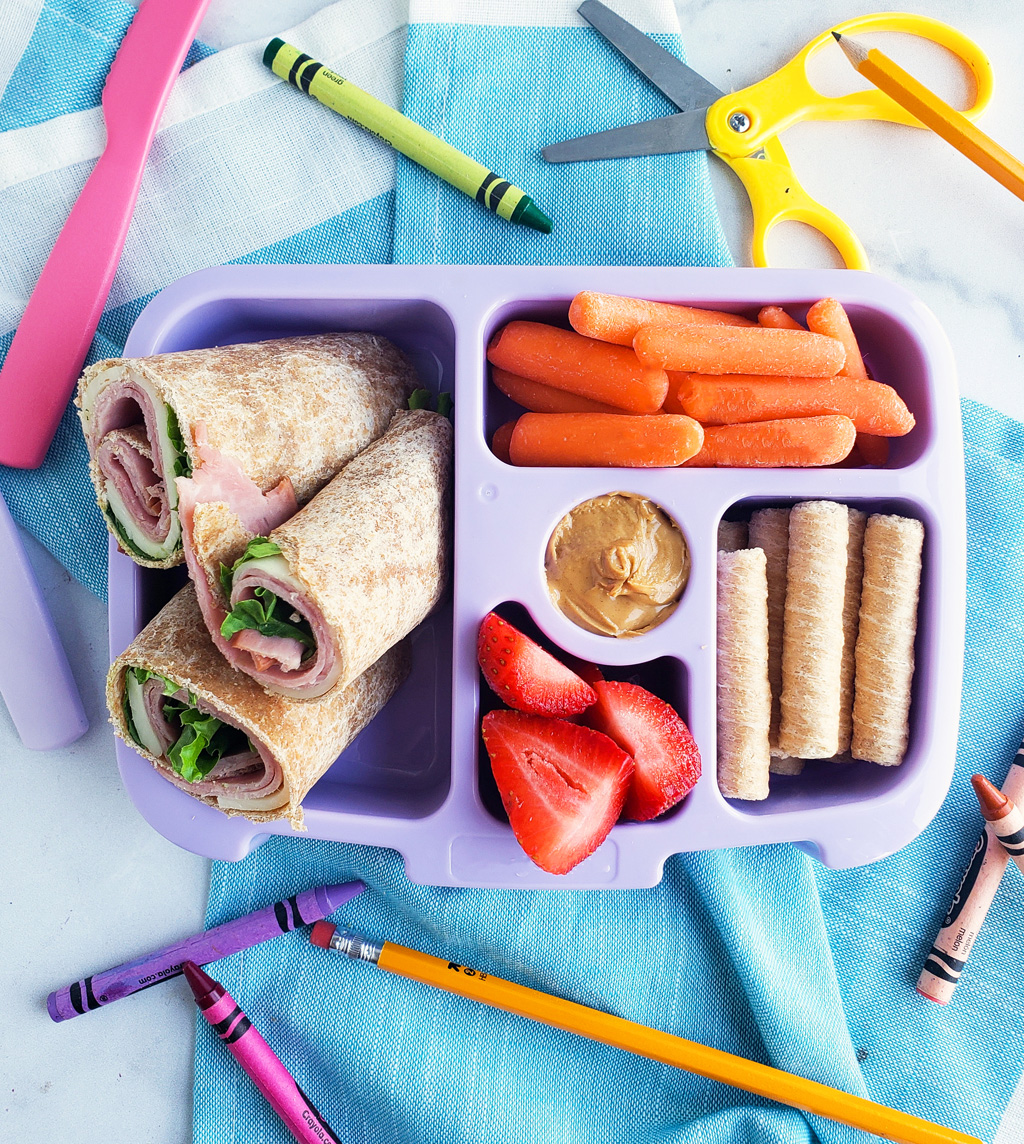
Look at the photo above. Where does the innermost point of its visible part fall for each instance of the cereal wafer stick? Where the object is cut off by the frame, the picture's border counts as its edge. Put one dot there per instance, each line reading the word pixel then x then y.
pixel 851 614
pixel 785 764
pixel 812 643
pixel 732 535
pixel 769 531
pixel 885 641
pixel 744 698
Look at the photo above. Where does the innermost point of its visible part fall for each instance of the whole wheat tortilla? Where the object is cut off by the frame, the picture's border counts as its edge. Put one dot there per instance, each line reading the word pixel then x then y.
pixel 297 407
pixel 373 548
pixel 304 736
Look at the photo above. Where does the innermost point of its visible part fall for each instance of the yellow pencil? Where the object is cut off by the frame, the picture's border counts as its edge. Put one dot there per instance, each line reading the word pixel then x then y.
pixel 787 1088
pixel 936 114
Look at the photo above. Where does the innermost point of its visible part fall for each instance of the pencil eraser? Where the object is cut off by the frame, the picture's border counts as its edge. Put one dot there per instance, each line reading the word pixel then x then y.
pixel 322 934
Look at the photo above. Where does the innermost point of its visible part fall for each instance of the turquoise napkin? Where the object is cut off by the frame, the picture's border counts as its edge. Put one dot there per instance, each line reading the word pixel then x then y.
pixel 761 952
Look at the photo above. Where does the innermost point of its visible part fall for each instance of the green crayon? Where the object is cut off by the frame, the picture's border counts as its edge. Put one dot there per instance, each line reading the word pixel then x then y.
pixel 396 129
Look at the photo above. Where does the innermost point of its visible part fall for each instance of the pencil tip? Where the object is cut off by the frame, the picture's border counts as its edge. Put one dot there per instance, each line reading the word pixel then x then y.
pixel 852 49
pixel 992 801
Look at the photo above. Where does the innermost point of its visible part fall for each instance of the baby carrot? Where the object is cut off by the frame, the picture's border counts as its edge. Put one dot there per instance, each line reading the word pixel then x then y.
pixel 613 318
pixel 595 440
pixel 567 360
pixel 795 442
pixel 734 398
pixel 540 398
pixel 735 349
pixel 501 440
pixel 777 319
pixel 828 317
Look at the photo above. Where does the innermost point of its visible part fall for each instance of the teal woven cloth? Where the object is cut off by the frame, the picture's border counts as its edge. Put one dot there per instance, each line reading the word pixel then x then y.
pixel 761 952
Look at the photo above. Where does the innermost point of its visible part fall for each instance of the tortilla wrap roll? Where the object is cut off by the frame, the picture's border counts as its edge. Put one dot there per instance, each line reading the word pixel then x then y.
pixel 310 606
pixel 214 733
pixel 278 417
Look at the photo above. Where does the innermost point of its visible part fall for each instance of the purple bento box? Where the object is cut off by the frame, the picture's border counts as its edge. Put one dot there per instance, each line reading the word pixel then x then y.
pixel 417 779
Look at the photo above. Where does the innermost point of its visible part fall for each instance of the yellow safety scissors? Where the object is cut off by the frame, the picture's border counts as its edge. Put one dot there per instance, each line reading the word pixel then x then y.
pixel 742 128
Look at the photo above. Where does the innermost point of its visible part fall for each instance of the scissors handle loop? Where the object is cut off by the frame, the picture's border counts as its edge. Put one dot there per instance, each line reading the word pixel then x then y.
pixel 776 196
pixel 787 96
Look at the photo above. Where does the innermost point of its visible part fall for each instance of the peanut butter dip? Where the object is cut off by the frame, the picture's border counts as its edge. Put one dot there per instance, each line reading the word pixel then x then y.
pixel 617 565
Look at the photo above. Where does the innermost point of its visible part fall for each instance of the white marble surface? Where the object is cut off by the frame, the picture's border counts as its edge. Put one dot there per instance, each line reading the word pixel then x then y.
pixel 930 221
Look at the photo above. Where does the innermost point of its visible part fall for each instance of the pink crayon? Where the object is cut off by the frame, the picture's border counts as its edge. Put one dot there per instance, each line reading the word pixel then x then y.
pixel 258 1060
pixel 974 896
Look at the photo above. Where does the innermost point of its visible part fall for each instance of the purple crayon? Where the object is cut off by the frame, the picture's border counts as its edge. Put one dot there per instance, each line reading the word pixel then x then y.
pixel 100 989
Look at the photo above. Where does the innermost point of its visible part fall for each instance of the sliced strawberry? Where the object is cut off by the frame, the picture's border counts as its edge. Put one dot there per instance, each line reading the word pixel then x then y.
pixel 666 757
pixel 587 671
pixel 523 675
pixel 563 786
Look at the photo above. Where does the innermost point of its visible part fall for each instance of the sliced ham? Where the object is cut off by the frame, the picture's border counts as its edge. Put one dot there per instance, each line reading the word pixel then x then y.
pixel 126 461
pixel 269 650
pixel 127 437
pixel 274 658
pixel 219 480
pixel 250 778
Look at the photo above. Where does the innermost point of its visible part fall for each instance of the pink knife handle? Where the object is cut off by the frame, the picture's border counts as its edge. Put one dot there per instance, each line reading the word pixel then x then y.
pixel 54 336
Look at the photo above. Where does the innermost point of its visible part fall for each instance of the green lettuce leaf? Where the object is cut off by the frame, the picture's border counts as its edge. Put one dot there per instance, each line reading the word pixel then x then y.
pixel 182 466
pixel 258 614
pixel 203 742
pixel 143 673
pixel 122 536
pixel 256 549
pixel 424 399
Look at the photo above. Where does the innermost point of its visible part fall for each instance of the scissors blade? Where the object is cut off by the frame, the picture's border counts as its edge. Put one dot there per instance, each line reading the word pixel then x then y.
pixel 686 88
pixel 666 136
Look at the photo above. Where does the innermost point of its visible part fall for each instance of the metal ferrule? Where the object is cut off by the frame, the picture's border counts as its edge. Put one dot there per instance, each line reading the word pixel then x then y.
pixel 356 946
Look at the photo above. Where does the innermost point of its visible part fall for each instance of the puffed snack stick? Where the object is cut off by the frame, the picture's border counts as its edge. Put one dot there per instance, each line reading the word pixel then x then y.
pixel 812 646
pixel 885 641
pixel 769 531
pixel 744 697
pixel 732 535
pixel 851 623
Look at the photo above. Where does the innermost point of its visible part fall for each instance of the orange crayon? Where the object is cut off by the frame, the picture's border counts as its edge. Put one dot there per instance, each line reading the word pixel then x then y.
pixel 1003 815
pixel 971 902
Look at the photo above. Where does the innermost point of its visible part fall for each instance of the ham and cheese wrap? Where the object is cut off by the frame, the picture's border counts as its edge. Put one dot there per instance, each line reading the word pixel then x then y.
pixel 308 606
pixel 214 733
pixel 271 421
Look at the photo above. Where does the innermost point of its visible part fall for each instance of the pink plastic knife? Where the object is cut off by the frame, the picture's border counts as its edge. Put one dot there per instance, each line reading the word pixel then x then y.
pixel 53 338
